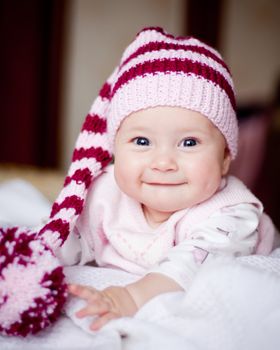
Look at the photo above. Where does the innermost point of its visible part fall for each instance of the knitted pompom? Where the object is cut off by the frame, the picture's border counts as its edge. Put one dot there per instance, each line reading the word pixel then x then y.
pixel 32 287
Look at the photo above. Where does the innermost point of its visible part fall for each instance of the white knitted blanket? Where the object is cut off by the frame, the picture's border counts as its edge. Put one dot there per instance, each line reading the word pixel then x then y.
pixel 232 304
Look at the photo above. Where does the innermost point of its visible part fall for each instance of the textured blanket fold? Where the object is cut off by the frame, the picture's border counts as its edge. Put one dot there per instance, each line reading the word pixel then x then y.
pixel 232 304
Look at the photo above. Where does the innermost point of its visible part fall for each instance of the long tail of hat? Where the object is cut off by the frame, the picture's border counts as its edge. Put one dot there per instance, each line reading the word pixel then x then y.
pixel 32 287
pixel 91 155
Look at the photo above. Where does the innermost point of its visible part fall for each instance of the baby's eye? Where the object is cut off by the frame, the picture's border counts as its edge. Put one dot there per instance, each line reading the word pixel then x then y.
pixel 190 142
pixel 141 141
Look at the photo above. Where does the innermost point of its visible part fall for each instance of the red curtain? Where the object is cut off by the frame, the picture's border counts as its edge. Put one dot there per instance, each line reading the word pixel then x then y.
pixel 31 38
pixel 204 20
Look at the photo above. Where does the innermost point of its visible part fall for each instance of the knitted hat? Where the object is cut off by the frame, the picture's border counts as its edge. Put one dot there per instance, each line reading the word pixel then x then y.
pixel 156 69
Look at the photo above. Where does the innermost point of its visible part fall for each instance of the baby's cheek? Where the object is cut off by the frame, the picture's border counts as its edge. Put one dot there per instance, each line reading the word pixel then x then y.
pixel 209 181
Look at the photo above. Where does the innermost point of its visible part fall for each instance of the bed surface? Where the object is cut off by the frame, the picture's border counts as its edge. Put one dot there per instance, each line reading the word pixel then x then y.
pixel 48 181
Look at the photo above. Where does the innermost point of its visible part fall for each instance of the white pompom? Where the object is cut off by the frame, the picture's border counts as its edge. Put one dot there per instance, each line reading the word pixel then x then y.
pixel 32 287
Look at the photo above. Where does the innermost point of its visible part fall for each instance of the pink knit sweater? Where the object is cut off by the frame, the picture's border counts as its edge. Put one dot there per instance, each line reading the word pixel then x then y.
pixel 113 231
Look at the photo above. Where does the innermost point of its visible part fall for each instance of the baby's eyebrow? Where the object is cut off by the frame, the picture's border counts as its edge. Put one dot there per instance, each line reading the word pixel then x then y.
pixel 194 130
pixel 146 129
pixel 190 130
pixel 138 128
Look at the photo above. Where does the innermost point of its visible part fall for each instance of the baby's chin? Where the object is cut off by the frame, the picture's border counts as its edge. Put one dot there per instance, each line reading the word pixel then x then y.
pixel 165 208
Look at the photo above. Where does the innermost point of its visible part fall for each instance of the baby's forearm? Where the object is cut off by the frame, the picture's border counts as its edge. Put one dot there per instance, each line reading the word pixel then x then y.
pixel 150 286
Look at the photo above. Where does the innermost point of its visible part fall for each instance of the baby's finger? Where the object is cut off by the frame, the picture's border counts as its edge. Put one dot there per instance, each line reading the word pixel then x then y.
pixel 98 308
pixel 102 320
pixel 84 292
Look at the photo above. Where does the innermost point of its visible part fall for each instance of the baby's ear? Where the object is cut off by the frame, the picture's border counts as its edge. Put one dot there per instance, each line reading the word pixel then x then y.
pixel 226 161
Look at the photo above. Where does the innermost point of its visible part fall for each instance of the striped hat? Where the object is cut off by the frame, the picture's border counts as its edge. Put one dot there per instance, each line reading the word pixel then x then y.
pixel 156 69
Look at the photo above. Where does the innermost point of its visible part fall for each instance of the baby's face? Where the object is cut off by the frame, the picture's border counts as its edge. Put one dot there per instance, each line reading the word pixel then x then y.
pixel 169 158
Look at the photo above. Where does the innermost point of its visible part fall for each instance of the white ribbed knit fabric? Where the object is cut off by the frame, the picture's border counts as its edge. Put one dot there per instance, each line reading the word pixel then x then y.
pixel 233 304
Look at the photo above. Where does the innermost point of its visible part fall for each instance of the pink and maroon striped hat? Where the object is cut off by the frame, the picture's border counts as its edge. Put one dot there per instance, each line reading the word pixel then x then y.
pixel 156 69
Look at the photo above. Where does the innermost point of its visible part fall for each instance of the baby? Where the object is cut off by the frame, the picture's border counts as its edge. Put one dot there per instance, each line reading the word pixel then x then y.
pixel 167 205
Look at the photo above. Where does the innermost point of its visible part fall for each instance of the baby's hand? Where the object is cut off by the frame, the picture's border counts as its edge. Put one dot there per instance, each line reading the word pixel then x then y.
pixel 107 304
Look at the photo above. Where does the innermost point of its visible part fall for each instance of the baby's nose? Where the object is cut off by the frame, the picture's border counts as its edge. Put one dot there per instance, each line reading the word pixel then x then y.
pixel 164 161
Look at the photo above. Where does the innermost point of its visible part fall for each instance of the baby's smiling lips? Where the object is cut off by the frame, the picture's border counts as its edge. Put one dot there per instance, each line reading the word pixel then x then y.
pixel 165 183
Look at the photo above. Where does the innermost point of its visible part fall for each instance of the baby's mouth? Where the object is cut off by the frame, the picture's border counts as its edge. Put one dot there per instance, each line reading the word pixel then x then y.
pixel 165 183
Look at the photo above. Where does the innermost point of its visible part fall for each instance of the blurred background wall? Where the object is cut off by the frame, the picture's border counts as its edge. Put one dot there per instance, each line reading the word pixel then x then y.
pixel 97 31
pixel 56 54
